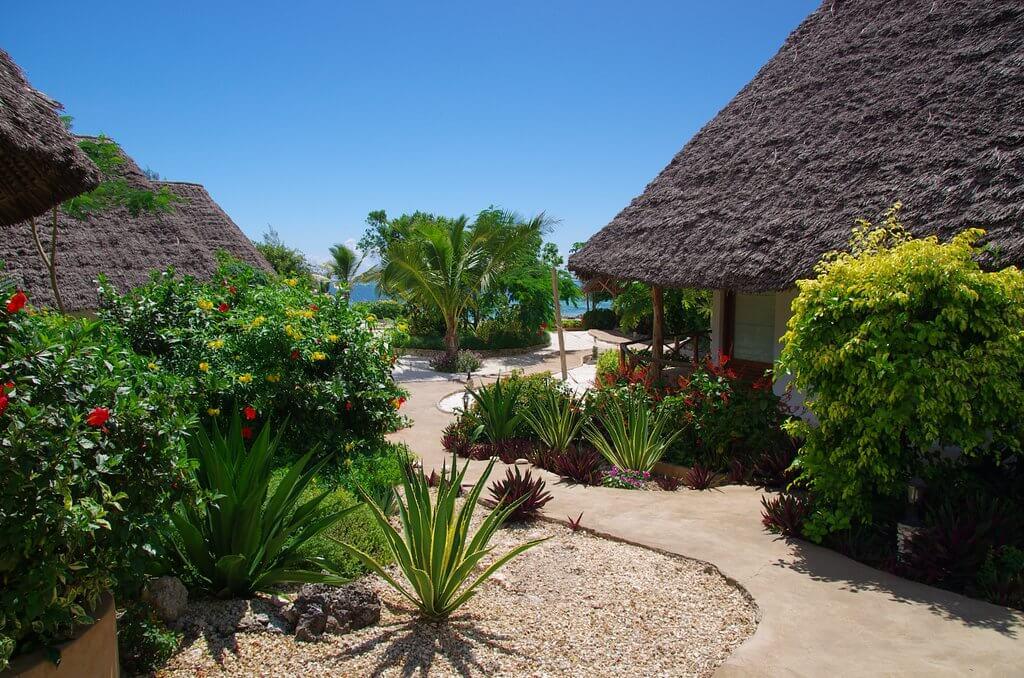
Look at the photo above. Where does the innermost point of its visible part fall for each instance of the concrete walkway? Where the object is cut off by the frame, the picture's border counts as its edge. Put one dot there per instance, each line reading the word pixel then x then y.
pixel 822 614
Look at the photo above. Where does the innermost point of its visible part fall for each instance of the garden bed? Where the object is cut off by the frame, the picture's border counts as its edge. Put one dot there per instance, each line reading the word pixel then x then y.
pixel 577 604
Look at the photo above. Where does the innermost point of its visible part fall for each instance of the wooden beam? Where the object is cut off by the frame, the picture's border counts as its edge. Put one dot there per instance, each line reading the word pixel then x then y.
pixel 658 332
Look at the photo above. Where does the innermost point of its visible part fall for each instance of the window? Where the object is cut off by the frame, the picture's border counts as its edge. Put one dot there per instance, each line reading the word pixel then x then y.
pixel 753 326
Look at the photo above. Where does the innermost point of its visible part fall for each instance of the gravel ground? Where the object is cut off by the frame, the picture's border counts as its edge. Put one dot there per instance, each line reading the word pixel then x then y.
pixel 575 605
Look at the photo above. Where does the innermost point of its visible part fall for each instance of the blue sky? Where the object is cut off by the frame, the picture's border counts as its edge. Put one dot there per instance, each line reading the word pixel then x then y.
pixel 307 115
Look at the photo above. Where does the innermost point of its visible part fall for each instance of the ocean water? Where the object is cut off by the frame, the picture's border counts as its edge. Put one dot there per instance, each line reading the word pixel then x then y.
pixel 368 292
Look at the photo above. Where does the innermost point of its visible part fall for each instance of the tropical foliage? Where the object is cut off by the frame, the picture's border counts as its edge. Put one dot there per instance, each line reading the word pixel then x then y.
pixel 92 455
pixel 269 346
pixel 444 263
pixel 434 549
pixel 243 537
pixel 630 434
pixel 903 346
pixel 556 418
pixel 497 409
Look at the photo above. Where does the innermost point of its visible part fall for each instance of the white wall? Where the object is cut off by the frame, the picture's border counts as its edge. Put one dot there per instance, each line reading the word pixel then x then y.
pixel 783 310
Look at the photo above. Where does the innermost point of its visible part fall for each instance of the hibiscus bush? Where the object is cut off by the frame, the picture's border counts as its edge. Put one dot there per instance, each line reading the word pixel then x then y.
pixel 91 457
pixel 903 347
pixel 269 347
pixel 724 417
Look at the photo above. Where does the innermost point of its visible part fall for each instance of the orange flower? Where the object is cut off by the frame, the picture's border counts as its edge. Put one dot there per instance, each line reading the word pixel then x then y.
pixel 16 302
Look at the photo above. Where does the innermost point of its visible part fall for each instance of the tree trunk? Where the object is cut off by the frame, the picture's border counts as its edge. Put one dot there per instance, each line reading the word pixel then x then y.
pixel 49 261
pixel 451 336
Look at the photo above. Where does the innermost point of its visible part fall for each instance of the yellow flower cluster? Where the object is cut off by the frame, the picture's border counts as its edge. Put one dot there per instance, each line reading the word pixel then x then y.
pixel 291 282
pixel 205 304
pixel 299 313
pixel 245 378
pixel 213 411
pixel 332 338
pixel 290 330
pixel 215 344
pixel 204 366
pixel 257 321
pixel 402 327
pixel 152 366
pixel 273 378
pixel 318 355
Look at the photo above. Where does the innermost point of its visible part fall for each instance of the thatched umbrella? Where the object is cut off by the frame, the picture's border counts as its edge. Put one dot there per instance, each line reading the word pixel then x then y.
pixel 128 248
pixel 40 163
pixel 867 103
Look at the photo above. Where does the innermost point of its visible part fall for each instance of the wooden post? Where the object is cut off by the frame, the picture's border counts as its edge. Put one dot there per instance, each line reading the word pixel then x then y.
pixel 658 332
pixel 558 322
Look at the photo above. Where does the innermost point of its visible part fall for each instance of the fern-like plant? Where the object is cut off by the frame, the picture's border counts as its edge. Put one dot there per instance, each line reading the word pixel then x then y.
pixel 634 437
pixel 245 538
pixel 556 418
pixel 434 550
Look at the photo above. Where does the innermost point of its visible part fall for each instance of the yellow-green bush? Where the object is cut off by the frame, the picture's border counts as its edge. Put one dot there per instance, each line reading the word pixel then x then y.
pixel 902 345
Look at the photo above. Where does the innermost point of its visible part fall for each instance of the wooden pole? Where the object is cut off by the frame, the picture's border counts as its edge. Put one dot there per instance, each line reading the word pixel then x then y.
pixel 558 322
pixel 658 332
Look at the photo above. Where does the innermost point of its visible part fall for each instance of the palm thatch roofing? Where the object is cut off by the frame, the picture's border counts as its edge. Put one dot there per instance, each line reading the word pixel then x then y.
pixel 127 248
pixel 867 103
pixel 40 163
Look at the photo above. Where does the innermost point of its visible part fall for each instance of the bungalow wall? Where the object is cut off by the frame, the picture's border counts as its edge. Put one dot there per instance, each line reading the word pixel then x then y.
pixel 758 322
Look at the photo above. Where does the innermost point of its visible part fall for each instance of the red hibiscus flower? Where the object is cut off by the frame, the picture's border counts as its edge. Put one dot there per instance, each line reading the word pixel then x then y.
pixel 294 355
pixel 16 302
pixel 223 308
pixel 98 416
pixel 4 399
pixel 247 432
pixel 314 307
pixel 250 412
pixel 233 290
pixel 348 404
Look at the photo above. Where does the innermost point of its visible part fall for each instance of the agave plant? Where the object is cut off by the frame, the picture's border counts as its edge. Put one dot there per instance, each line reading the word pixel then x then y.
pixel 522 489
pixel 246 538
pixel 497 408
pixel 634 436
pixel 556 418
pixel 434 549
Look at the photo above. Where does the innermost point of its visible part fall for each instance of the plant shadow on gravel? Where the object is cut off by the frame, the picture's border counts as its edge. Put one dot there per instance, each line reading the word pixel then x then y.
pixel 822 564
pixel 416 643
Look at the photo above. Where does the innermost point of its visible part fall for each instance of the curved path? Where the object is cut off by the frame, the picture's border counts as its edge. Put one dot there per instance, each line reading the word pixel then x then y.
pixel 821 613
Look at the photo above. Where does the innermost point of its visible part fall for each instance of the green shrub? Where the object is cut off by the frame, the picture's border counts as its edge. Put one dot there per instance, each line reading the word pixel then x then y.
pixel 434 549
pixel 723 417
pixel 600 319
pixel 242 537
pixel 902 346
pixel 247 340
pixel 91 457
pixel 607 365
pixel 497 408
pixel 462 362
pixel 556 418
pixel 632 436
pixel 144 643
pixel 381 309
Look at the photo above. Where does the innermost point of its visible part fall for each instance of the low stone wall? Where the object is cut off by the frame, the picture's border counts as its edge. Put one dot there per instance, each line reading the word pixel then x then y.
pixel 499 353
pixel 92 652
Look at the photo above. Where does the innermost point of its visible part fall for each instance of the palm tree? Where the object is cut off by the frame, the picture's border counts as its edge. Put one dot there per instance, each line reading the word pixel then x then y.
pixel 445 263
pixel 344 264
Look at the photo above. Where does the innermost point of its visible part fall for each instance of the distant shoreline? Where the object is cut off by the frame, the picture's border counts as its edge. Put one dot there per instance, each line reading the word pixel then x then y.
pixel 368 292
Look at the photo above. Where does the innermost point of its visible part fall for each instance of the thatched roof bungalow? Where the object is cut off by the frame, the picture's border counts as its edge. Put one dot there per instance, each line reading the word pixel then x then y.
pixel 40 163
pixel 867 103
pixel 127 248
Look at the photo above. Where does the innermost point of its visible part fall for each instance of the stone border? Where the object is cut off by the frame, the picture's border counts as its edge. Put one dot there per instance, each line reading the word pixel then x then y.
pixel 495 353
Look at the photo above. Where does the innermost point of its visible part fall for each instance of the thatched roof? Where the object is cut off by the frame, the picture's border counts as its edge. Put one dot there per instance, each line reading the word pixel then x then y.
pixel 128 248
pixel 40 163
pixel 867 103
